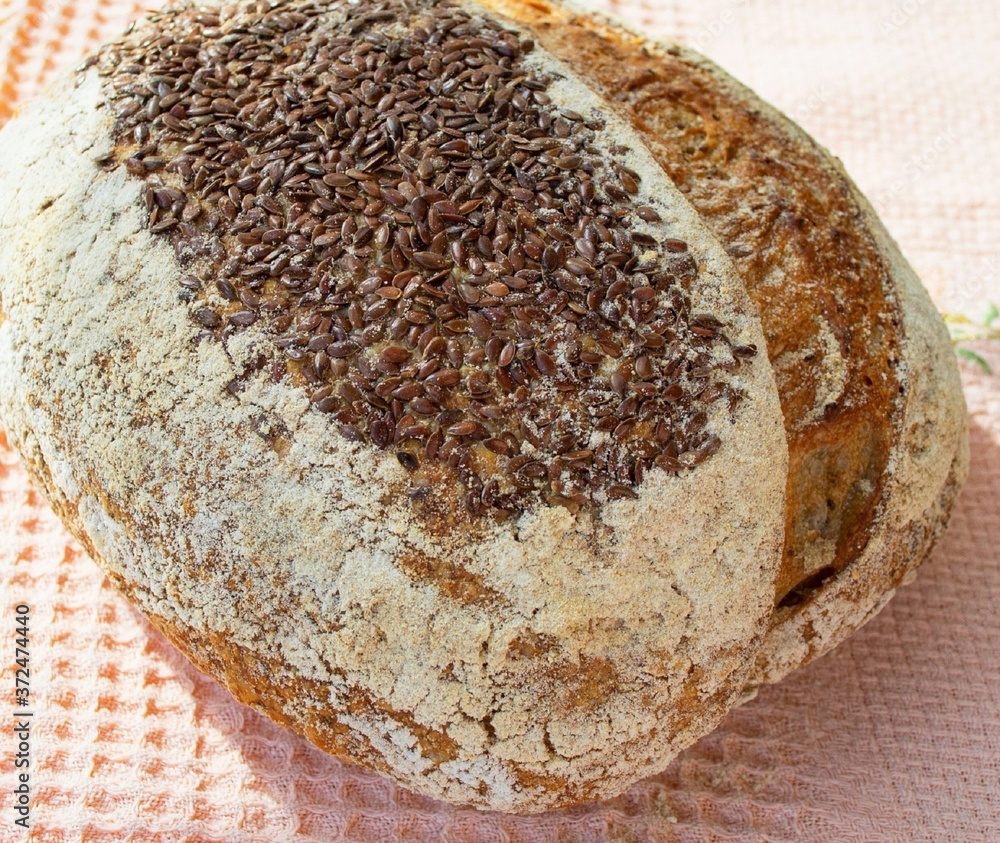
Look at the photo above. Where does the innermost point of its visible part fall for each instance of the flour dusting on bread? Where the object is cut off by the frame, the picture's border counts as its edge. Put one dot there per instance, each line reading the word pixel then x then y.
pixel 515 664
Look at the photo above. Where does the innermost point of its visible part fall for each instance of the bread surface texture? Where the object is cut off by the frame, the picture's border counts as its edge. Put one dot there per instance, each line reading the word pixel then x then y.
pixel 514 661
pixel 872 402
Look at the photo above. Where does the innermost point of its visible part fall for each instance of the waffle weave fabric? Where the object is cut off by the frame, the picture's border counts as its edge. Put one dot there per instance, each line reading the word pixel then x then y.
pixel 895 736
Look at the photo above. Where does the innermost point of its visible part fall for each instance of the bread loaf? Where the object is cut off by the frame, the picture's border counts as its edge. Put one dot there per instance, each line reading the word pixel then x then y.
pixel 373 351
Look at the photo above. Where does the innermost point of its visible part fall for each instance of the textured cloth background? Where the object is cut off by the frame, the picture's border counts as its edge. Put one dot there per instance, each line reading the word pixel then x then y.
pixel 893 737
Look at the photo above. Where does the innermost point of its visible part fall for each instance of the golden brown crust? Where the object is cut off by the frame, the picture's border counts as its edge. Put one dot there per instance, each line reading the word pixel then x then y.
pixel 838 305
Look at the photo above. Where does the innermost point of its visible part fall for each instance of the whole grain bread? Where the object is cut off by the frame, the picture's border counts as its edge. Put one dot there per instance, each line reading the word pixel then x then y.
pixel 522 566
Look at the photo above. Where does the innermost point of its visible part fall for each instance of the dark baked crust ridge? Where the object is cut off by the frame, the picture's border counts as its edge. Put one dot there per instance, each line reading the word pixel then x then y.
pixel 928 467
pixel 842 311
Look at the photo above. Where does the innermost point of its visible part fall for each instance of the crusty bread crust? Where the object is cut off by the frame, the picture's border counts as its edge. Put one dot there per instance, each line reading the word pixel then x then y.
pixel 873 408
pixel 928 466
pixel 518 666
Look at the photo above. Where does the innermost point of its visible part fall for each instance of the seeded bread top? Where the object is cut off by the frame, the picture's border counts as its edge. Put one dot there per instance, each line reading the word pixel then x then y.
pixel 510 659
pixel 452 265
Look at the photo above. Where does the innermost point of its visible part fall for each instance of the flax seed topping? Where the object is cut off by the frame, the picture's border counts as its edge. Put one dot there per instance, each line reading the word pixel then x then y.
pixel 456 267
